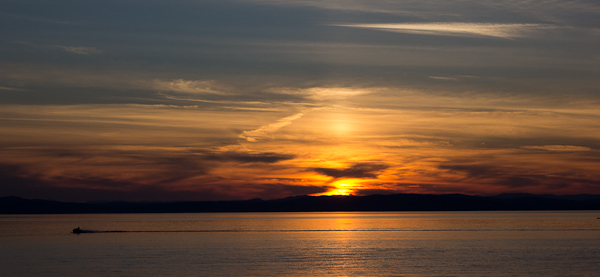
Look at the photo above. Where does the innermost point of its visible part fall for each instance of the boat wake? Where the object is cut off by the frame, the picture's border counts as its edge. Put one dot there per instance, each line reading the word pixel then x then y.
pixel 81 231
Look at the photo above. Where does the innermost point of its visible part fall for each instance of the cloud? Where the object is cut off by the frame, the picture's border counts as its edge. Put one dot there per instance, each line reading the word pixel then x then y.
pixel 250 158
pixel 191 86
pixel 275 191
pixel 504 178
pixel 507 31
pixel 360 170
pixel 326 93
pixel 152 174
pixel 499 176
pixel 18 181
pixel 265 130
pixel 474 171
pixel 72 49
pixel 518 182
pixel 12 89
pixel 78 50
pixel 231 104
pixel 559 148
pixel 442 78
pixel 171 97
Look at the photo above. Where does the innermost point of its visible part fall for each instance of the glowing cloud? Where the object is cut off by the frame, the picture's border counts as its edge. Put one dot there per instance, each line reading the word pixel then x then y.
pixel 188 86
pixel 507 31
pixel 324 94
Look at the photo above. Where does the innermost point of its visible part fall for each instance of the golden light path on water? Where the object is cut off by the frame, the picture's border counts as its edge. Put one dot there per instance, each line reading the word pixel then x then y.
pixel 515 243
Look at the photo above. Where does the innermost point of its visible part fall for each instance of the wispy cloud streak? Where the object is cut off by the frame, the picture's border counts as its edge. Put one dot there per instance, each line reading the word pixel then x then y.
pixel 12 89
pixel 190 86
pixel 507 31
pixel 263 131
pixel 78 50
pixel 558 148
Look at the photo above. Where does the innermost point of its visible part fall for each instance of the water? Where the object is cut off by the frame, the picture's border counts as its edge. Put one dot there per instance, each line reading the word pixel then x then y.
pixel 303 244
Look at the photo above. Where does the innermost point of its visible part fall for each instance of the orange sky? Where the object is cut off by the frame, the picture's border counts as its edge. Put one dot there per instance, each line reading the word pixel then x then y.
pixel 270 99
pixel 325 150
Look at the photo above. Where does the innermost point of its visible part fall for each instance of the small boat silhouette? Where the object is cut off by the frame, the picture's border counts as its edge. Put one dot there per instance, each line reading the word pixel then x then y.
pixel 80 231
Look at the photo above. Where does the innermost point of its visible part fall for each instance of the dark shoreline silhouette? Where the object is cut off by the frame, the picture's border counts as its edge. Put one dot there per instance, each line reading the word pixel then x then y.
pixel 394 202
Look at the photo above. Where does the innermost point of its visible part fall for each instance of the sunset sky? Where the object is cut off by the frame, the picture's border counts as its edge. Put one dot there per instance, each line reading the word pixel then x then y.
pixel 148 100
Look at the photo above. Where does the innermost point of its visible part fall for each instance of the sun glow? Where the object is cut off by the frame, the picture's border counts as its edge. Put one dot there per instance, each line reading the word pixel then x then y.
pixel 342 192
pixel 342 189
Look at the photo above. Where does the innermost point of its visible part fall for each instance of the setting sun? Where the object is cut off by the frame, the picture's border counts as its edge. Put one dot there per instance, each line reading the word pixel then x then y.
pixel 344 189
pixel 339 188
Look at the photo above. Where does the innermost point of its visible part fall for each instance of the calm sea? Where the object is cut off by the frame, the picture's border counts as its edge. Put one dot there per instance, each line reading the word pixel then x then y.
pixel 557 243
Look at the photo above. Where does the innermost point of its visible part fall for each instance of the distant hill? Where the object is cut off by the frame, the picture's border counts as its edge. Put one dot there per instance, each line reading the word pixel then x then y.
pixel 394 202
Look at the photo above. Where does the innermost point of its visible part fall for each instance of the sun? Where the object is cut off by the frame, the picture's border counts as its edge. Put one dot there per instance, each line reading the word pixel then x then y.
pixel 342 192
pixel 341 189
pixel 344 189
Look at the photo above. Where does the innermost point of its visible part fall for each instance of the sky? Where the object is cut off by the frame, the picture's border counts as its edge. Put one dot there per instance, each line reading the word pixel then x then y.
pixel 240 99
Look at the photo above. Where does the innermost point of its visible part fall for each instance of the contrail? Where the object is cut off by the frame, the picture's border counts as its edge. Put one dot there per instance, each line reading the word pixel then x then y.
pixel 263 131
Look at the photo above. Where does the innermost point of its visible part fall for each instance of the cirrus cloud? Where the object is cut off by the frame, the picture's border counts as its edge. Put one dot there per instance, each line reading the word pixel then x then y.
pixel 507 31
pixel 190 86
pixel 78 50
pixel 558 148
